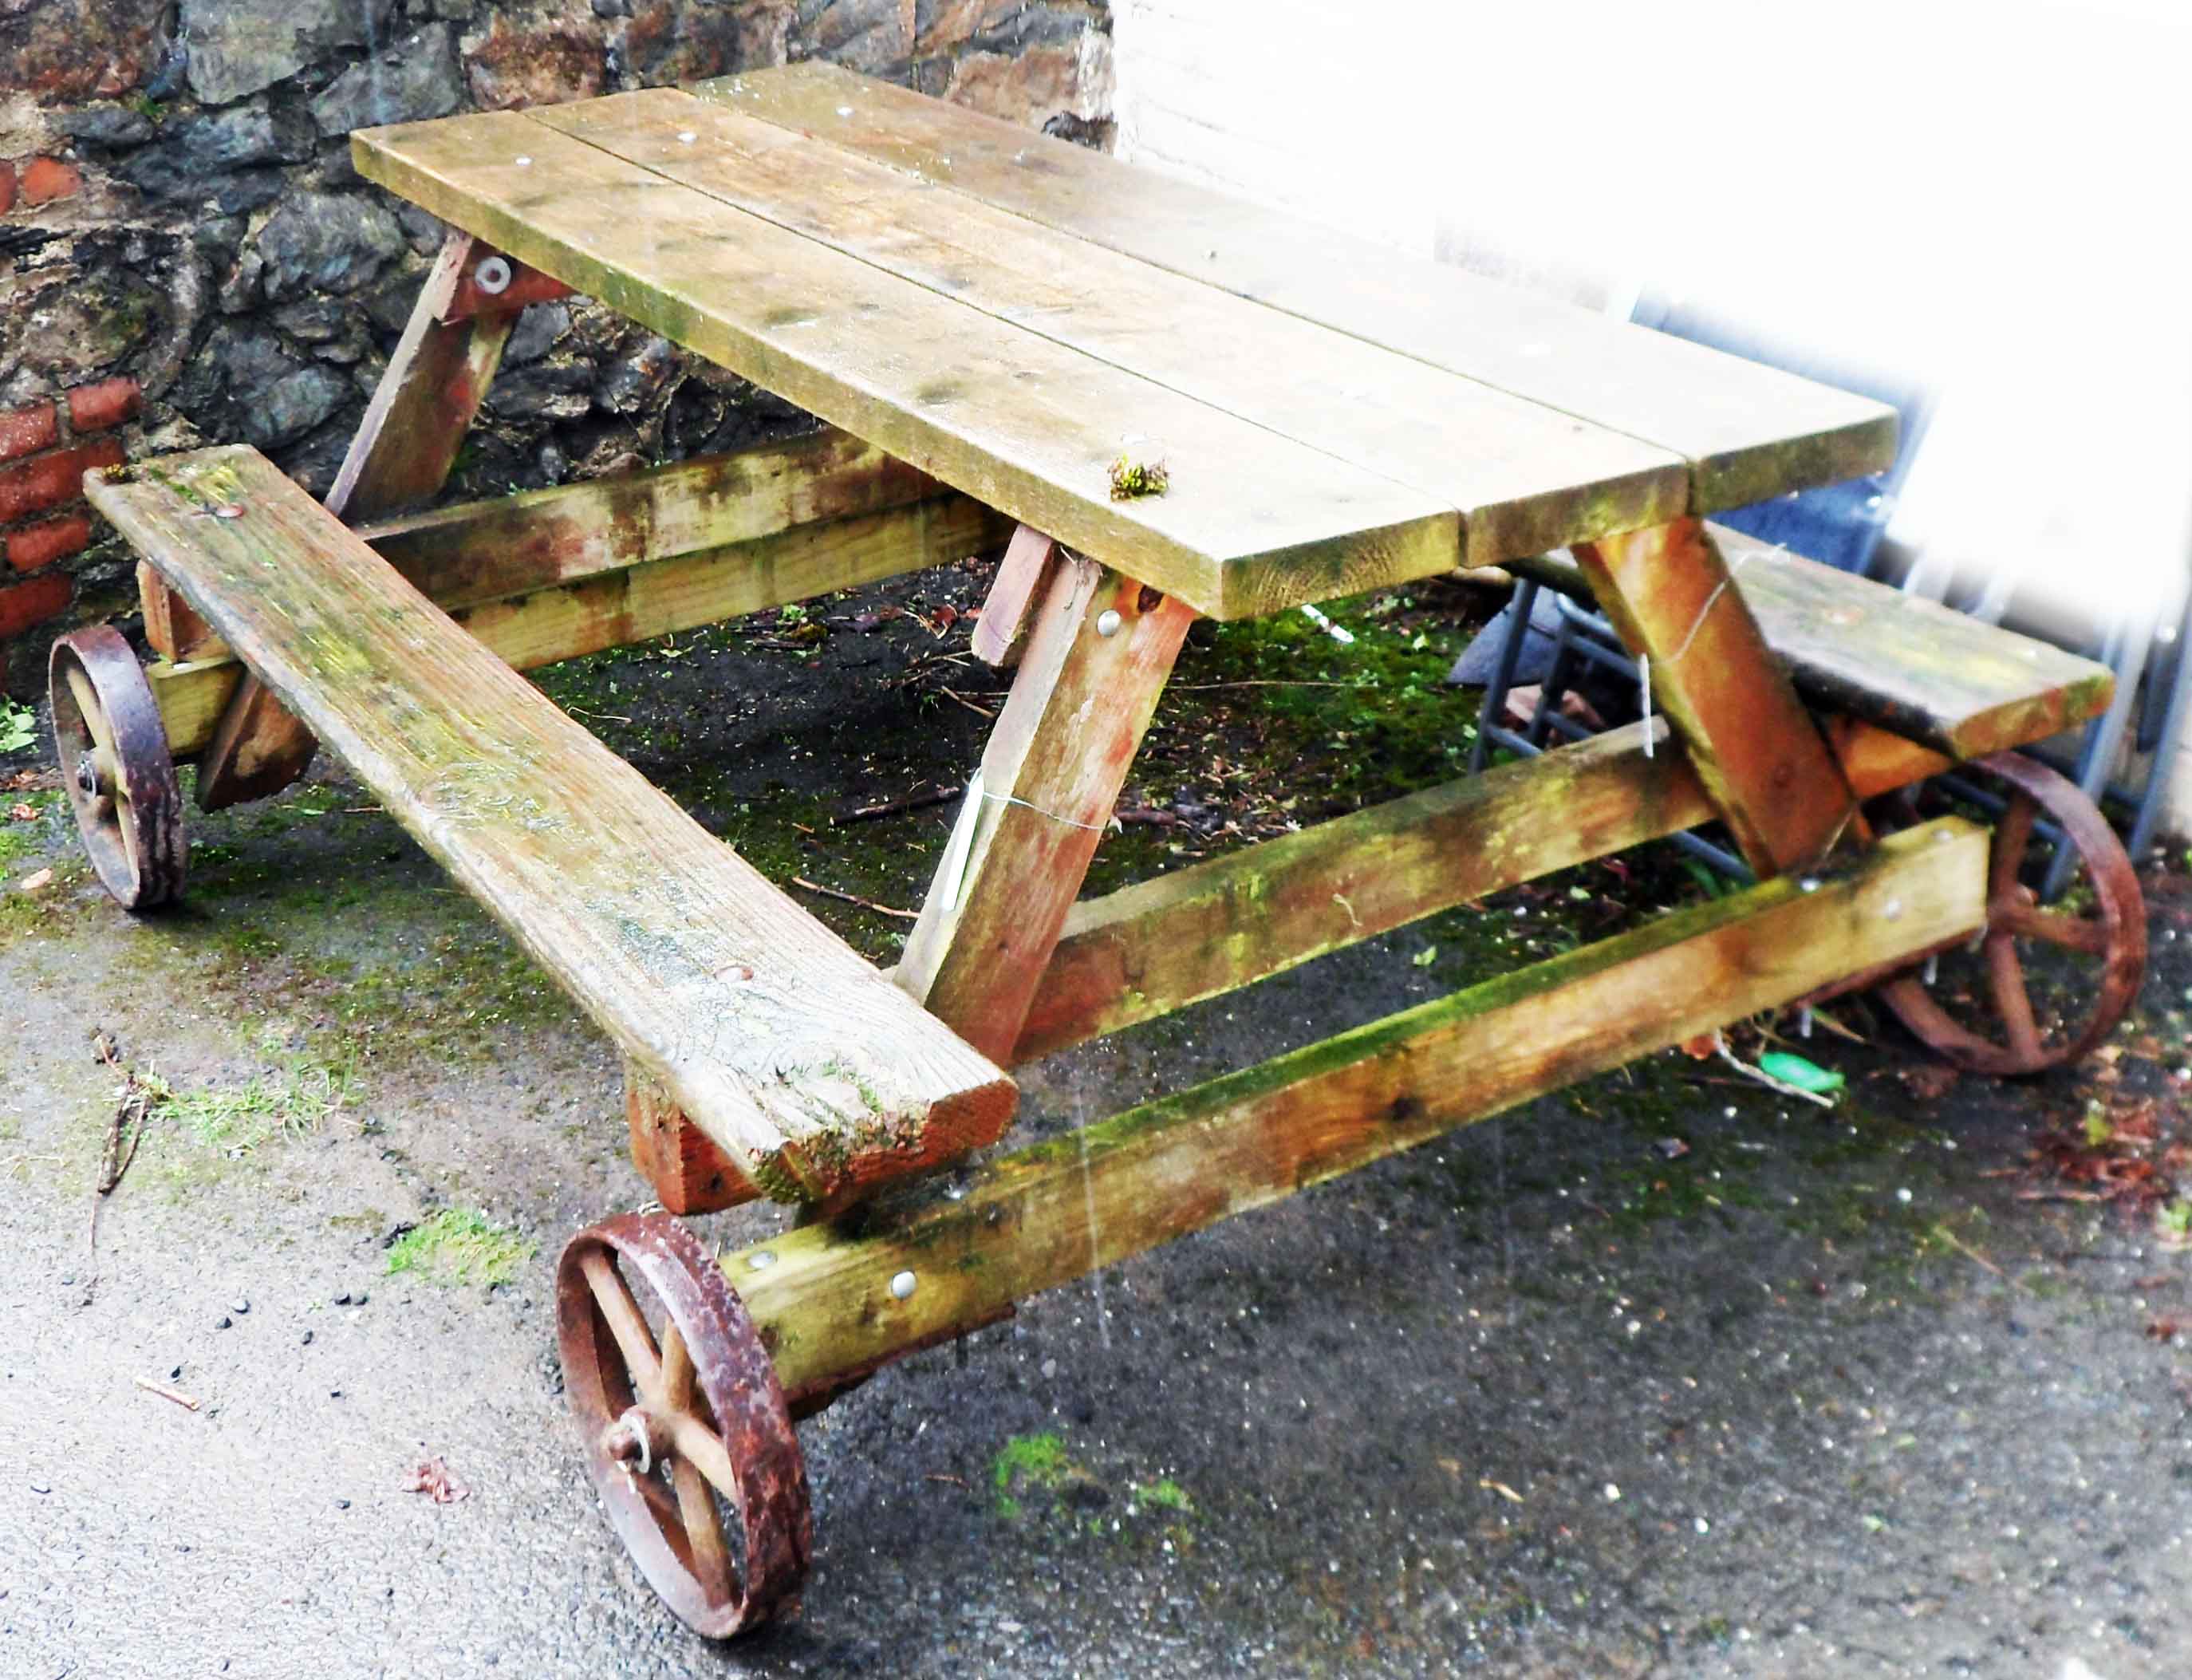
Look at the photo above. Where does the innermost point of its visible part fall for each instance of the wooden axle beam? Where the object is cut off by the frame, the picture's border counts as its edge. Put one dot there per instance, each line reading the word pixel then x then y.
pixel 833 1300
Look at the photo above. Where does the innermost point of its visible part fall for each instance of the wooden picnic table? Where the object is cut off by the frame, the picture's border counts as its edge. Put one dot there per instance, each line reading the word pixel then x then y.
pixel 1001 331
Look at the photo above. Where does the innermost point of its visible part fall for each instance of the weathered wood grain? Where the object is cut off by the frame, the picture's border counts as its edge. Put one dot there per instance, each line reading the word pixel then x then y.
pixel 1750 431
pixel 1524 477
pixel 628 603
pixel 1251 520
pixel 172 630
pixel 690 1175
pixel 405 446
pixel 1755 747
pixel 1858 647
pixel 1050 775
pixel 1042 1217
pixel 807 1067
pixel 1022 578
pixel 1915 668
pixel 1162 944
pixel 486 550
pixel 524 287
pixel 435 382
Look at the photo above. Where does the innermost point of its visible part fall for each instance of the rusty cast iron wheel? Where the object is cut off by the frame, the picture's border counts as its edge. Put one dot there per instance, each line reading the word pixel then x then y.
pixel 115 763
pixel 2045 985
pixel 684 1423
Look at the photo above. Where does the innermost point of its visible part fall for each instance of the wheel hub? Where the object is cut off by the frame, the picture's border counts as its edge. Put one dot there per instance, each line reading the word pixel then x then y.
pixel 637 1439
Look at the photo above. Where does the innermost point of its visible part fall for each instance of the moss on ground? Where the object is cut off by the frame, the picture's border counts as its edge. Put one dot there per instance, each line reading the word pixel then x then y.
pixel 460 1245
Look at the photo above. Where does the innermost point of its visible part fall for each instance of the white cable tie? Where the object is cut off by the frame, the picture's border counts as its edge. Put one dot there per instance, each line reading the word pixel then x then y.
pixel 1644 678
pixel 1711 600
pixel 1070 822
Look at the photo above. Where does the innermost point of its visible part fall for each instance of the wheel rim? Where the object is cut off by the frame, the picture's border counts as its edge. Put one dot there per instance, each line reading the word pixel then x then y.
pixel 2090 958
pixel 683 1422
pixel 115 763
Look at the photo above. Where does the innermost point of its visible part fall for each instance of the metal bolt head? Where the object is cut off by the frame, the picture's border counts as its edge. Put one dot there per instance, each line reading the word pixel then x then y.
pixel 1108 622
pixel 903 1285
pixel 87 775
pixel 493 276
pixel 1810 883
pixel 761 1260
pixel 1892 910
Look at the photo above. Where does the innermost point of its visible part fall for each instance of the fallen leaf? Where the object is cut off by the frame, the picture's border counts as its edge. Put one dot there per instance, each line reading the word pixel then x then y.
pixel 1930 1080
pixel 24 813
pixel 38 882
pixel 433 1479
pixel 2162 1329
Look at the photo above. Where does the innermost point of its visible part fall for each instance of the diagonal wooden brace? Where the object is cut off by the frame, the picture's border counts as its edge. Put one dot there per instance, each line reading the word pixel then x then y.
pixel 404 449
pixel 1764 764
pixel 1022 577
pixel 1096 658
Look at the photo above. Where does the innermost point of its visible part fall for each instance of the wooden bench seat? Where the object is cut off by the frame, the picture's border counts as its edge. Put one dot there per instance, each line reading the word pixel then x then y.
pixel 1914 667
pixel 807 1067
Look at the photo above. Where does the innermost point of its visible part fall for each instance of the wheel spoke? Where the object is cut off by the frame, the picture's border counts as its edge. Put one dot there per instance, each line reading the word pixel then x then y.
pixel 94 717
pixel 626 1322
pixel 676 1370
pixel 2030 922
pixel 700 1447
pixel 2012 1002
pixel 2013 838
pixel 704 1529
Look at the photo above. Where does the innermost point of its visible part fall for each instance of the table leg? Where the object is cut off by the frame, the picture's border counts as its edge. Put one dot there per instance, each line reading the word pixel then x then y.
pixel 1096 658
pixel 402 454
pixel 1763 763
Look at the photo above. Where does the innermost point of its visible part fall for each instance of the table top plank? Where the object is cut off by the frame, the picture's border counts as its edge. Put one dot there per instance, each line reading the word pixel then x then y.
pixel 1750 431
pixel 1524 477
pixel 1253 520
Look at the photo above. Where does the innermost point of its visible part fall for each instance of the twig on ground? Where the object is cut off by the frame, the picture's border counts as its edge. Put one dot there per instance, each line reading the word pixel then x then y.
pixel 953 694
pixel 1942 1230
pixel 805 885
pixel 181 1399
pixel 912 802
pixel 132 1114
pixel 1261 682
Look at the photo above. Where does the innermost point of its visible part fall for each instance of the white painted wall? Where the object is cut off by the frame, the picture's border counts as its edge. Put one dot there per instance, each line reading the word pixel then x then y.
pixel 1993 197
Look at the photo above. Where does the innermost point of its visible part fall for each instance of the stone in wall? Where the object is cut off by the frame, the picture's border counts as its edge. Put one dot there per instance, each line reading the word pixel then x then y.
pixel 238 47
pixel 871 35
pixel 77 49
pixel 545 64
pixel 410 81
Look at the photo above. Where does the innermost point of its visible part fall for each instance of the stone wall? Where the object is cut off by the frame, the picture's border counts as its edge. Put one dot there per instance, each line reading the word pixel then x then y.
pixel 187 257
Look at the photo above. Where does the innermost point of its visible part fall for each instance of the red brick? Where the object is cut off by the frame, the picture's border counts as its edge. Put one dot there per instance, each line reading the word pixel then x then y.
pixel 7 186
pixel 51 480
pixel 93 408
pixel 41 545
pixel 45 179
pixel 26 430
pixel 33 601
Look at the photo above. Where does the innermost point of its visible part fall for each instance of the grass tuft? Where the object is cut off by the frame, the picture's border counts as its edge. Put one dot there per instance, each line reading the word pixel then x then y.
pixel 460 1245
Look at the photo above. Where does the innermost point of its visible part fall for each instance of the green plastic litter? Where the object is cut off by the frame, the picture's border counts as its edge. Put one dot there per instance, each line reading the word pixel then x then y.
pixel 1805 1076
